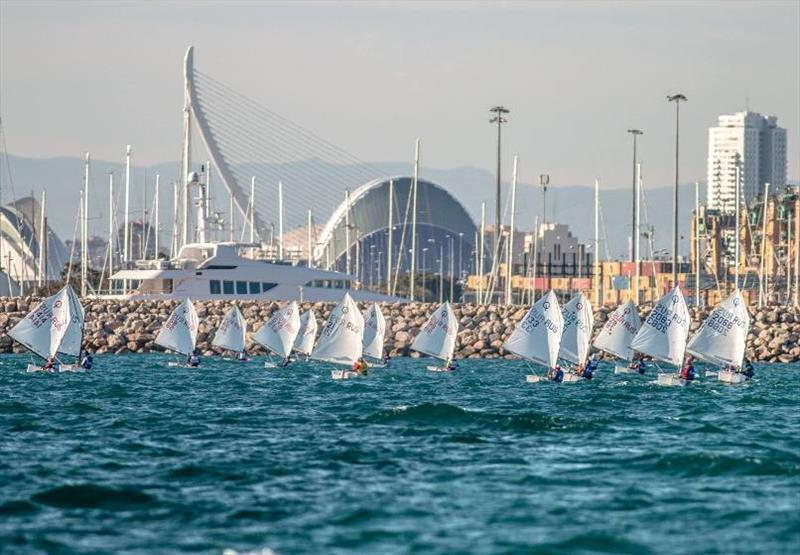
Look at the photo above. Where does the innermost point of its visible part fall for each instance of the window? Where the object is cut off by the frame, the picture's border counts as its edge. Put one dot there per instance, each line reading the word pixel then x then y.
pixel 241 288
pixel 214 287
pixel 227 287
pixel 255 288
pixel 167 287
pixel 267 286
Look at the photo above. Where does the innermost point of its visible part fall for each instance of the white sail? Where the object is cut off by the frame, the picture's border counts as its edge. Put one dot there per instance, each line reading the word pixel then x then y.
pixel 179 332
pixel 340 340
pixel 619 330
pixel 663 334
pixel 722 338
pixel 304 342
pixel 43 329
pixel 374 332
pixel 280 331
pixel 230 334
pixel 578 325
pixel 437 337
pixel 71 342
pixel 537 337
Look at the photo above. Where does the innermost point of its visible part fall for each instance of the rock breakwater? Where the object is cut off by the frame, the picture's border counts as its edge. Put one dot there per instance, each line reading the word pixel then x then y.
pixel 131 326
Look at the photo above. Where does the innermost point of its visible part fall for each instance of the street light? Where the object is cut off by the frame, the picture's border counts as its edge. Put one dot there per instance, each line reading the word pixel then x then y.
pixel 677 99
pixel 499 112
pixel 544 181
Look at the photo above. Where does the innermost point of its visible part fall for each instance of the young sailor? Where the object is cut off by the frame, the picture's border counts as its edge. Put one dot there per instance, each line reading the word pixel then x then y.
pixel 52 365
pixel 451 364
pixel 637 364
pixel 556 374
pixel 193 360
pixel 386 358
pixel 748 370
pixel 87 362
pixel 242 357
pixel 360 366
pixel 591 366
pixel 285 362
pixel 688 371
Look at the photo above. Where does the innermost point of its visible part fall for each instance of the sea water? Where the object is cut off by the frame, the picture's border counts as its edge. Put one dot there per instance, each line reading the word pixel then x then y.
pixel 136 457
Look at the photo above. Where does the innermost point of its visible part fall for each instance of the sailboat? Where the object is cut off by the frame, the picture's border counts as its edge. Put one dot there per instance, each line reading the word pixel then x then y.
pixel 578 325
pixel 304 342
pixel 722 338
pixel 73 338
pixel 230 334
pixel 617 334
pixel 43 329
pixel 179 332
pixel 374 332
pixel 437 337
pixel 663 334
pixel 341 339
pixel 537 337
pixel 279 333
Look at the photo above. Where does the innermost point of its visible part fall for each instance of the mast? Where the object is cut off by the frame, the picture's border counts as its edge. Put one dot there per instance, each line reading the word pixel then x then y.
pixel 82 221
pixel 697 244
pixel 414 222
pixel 308 239
pixel 157 223
pixel 597 277
pixel 186 151
pixel 737 238
pixel 510 249
pixel 110 228
pixel 43 237
pixel 389 241
pixel 208 189
pixel 347 231
pixel 481 249
pixel 126 231
pixel 762 290
pixel 532 285
pixel 280 220
pixel 676 98
pixel 85 226
pixel 175 202
pixel 230 209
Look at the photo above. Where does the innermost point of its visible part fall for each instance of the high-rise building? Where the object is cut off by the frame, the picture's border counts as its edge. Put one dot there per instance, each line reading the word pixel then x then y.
pixel 756 145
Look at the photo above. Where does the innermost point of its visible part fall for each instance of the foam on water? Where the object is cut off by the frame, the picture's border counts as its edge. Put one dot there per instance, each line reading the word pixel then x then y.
pixel 136 457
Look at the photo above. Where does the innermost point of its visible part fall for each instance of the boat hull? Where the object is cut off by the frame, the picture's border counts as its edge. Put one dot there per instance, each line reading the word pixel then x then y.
pixel 533 378
pixel 624 370
pixel 726 376
pixel 344 374
pixel 671 380
pixel 437 369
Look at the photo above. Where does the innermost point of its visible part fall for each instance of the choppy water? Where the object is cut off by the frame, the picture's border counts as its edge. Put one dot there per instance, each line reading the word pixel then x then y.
pixel 138 458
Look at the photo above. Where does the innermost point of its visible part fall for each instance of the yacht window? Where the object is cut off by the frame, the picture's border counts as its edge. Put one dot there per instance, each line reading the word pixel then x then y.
pixel 214 287
pixel 255 288
pixel 227 287
pixel 267 286
pixel 167 287
pixel 241 288
pixel 220 267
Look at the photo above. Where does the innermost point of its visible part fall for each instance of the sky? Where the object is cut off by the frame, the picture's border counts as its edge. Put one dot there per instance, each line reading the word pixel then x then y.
pixel 372 77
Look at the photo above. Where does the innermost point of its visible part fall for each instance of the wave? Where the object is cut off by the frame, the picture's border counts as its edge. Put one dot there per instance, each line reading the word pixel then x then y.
pixel 92 496
pixel 715 464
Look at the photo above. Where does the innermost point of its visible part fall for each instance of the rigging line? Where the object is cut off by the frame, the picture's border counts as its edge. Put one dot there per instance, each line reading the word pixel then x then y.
pixel 400 252
pixel 264 109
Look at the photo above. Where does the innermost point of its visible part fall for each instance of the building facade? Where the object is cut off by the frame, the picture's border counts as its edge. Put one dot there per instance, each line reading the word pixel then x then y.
pixel 754 145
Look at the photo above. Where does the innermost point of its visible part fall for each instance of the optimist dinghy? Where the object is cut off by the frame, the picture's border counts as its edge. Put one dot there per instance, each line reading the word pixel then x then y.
pixel 663 334
pixel 437 337
pixel 279 333
pixel 537 337
pixel 304 342
pixel 374 333
pixel 578 324
pixel 617 334
pixel 43 329
pixel 179 332
pixel 230 334
pixel 340 342
pixel 722 339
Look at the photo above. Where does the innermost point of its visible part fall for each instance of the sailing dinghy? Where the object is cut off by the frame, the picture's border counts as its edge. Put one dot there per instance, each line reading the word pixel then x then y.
pixel 179 332
pixel 578 324
pixel 73 338
pixel 304 342
pixel 663 334
pixel 340 342
pixel 43 329
pixel 279 333
pixel 230 334
pixel 537 337
pixel 617 334
pixel 722 338
pixel 437 338
pixel 374 333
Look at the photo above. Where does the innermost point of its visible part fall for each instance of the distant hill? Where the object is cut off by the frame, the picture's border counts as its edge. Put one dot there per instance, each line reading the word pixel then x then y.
pixel 570 204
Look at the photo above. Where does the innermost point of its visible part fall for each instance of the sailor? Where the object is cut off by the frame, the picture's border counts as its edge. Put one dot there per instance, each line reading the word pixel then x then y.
pixel 637 364
pixel 241 356
pixel 51 365
pixel 688 370
pixel 451 365
pixel 193 360
pixel 749 371
pixel 386 358
pixel 556 374
pixel 591 366
pixel 285 362
pixel 360 366
pixel 87 361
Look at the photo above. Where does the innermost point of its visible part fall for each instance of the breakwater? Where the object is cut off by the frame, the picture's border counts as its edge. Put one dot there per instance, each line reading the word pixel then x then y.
pixel 114 326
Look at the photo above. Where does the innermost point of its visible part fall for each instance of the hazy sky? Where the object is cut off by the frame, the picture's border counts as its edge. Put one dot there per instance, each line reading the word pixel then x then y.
pixel 372 77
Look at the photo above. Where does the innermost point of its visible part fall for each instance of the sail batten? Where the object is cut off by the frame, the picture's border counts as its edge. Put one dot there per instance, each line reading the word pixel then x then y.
pixel 537 337
pixel 280 331
pixel 619 330
pixel 179 332
pixel 231 331
pixel 340 341
pixel 437 337
pixel 374 332
pixel 722 338
pixel 664 332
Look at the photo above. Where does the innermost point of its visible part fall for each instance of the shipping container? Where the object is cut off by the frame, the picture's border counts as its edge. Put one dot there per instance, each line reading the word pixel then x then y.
pixel 581 284
pixel 621 282
pixel 627 268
